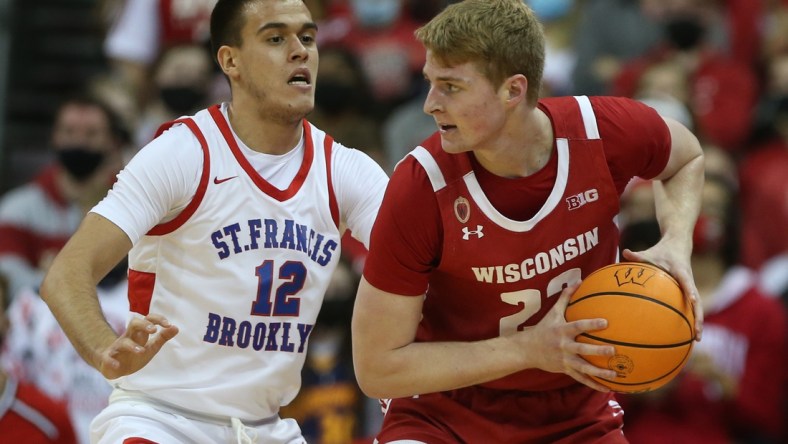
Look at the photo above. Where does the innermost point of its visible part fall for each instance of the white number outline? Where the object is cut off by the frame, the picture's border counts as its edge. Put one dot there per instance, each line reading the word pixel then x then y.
pixel 531 301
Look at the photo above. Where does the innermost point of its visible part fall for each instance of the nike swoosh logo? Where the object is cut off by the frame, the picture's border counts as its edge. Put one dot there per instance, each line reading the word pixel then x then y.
pixel 217 181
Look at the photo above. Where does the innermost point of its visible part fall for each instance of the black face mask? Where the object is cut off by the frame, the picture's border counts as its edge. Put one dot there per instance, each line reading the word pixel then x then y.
pixel 333 97
pixel 181 99
pixel 79 161
pixel 684 32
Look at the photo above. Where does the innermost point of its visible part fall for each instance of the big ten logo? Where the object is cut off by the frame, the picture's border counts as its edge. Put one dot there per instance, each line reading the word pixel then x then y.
pixel 580 199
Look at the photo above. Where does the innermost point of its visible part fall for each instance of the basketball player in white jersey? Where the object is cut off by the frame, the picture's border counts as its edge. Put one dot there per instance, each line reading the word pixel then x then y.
pixel 232 221
pixel 459 319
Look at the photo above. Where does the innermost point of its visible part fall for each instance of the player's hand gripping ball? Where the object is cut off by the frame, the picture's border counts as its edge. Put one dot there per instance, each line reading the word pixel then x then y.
pixel 649 322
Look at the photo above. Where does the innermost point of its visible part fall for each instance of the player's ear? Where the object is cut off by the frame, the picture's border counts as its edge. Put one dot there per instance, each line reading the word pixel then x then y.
pixel 514 89
pixel 226 56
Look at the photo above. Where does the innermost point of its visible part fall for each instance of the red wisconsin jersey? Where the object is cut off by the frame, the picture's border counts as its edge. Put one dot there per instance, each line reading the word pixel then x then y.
pixel 498 275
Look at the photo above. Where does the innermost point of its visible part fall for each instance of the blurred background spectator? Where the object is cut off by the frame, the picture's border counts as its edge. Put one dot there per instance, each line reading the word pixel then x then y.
pixel 181 84
pixel 733 386
pixel 38 352
pixel 26 414
pixel 37 218
pixel 144 29
pixel 718 66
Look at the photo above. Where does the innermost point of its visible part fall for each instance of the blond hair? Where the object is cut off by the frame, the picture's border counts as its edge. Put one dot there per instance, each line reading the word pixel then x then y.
pixel 503 37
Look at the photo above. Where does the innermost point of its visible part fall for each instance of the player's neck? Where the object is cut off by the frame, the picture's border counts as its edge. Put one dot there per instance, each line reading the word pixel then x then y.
pixel 264 135
pixel 523 148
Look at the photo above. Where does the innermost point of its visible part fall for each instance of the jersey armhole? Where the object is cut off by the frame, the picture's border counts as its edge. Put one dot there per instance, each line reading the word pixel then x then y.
pixel 328 144
pixel 188 211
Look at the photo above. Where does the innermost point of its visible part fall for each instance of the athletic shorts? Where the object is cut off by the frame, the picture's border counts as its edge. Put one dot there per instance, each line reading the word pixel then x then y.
pixel 576 414
pixel 137 420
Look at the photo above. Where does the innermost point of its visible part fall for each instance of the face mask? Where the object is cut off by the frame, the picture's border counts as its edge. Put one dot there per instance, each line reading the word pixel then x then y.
pixel 181 99
pixel 550 9
pixel 376 13
pixel 334 97
pixel 79 162
pixel 708 235
pixel 684 32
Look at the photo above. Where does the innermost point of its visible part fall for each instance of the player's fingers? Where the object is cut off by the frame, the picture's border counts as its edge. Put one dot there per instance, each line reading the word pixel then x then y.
pixel 124 345
pixel 698 309
pixel 168 333
pixel 586 325
pixel 158 319
pixel 633 256
pixel 580 348
pixel 588 381
pixel 160 339
pixel 691 293
pixel 563 299
pixel 139 337
pixel 586 368
pixel 108 362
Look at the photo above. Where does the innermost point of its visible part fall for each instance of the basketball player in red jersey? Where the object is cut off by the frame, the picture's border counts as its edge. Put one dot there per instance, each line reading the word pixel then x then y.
pixel 459 318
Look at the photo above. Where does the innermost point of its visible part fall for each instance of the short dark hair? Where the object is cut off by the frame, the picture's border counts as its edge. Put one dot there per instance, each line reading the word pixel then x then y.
pixel 227 20
pixel 116 126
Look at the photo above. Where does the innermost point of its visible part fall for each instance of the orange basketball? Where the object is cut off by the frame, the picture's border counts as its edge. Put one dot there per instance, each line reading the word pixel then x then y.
pixel 648 322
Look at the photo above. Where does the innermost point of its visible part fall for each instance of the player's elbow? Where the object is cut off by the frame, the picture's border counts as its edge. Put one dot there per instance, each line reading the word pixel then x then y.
pixel 367 379
pixel 376 380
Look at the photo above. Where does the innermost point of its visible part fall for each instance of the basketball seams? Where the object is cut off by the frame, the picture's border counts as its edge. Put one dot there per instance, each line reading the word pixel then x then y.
pixel 637 345
pixel 637 296
pixel 641 365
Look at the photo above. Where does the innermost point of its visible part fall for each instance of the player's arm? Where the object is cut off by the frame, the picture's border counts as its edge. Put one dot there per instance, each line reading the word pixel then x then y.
pixel 390 364
pixel 677 194
pixel 69 289
pixel 155 181
pixel 359 184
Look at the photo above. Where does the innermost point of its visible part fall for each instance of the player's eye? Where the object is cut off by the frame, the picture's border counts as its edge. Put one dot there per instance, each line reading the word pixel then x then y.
pixel 276 39
pixel 307 39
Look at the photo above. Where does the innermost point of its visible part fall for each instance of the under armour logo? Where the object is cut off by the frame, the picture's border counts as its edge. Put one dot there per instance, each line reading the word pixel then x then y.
pixel 466 233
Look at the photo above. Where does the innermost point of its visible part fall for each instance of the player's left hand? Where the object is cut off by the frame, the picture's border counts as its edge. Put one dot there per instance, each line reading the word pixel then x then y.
pixel 679 267
pixel 132 350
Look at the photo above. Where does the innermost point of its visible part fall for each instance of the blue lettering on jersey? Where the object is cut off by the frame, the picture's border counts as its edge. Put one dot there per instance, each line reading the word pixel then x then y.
pixel 271 234
pixel 271 336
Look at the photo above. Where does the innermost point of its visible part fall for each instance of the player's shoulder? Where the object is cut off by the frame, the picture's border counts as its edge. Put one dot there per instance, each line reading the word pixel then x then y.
pixel 174 141
pixel 616 106
pixel 410 171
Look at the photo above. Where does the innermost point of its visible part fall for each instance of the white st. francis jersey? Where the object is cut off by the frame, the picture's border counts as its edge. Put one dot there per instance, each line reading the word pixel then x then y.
pixel 241 271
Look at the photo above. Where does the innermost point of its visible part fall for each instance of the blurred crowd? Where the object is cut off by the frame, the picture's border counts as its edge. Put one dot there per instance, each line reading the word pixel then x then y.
pixel 718 66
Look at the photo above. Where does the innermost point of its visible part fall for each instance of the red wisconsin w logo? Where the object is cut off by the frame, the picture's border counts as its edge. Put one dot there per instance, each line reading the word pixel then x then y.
pixel 633 275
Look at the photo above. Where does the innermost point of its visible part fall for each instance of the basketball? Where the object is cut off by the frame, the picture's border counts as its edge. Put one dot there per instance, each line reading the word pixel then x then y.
pixel 649 323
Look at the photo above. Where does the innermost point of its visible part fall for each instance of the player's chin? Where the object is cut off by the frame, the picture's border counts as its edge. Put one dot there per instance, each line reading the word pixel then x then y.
pixel 453 147
pixel 297 110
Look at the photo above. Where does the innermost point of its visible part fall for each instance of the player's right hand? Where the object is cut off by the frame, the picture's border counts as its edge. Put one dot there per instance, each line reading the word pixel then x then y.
pixel 553 346
pixel 132 350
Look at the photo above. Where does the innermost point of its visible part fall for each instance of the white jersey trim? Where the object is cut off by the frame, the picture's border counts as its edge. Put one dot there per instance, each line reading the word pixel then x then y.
pixel 430 166
pixel 589 118
pixel 562 146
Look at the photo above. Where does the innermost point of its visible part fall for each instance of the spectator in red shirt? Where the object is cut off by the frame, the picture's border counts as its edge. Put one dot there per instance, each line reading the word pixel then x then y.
pixel 27 415
pixel 733 387
pixel 723 91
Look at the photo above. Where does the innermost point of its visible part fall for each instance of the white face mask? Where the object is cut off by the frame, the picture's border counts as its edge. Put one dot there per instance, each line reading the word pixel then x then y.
pixel 376 13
